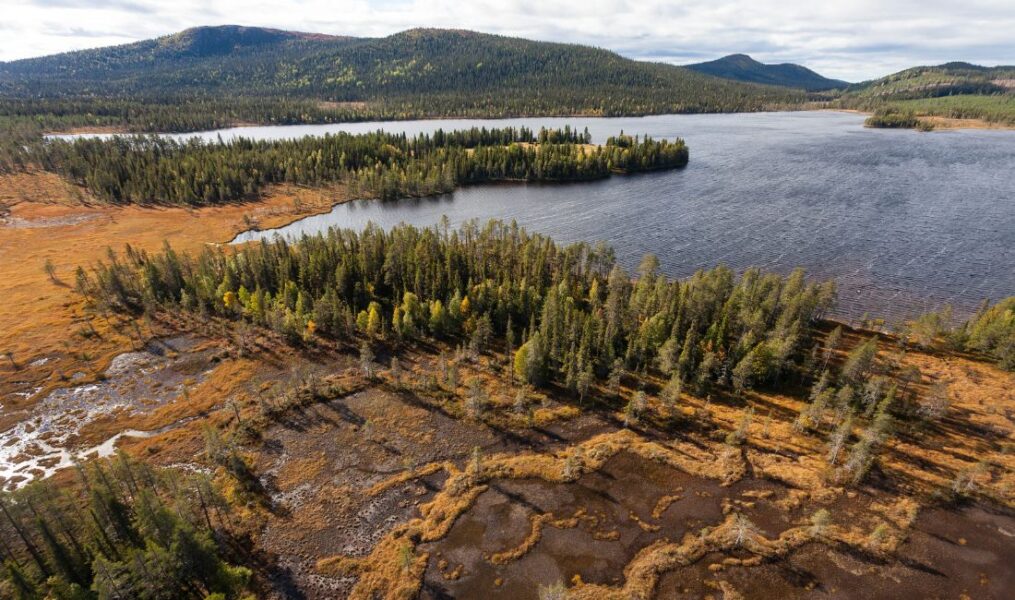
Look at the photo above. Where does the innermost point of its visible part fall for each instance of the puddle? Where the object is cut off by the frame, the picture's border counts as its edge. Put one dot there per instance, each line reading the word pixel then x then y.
pixel 949 553
pixel 316 463
pixel 962 551
pixel 134 383
pixel 624 512
pixel 45 222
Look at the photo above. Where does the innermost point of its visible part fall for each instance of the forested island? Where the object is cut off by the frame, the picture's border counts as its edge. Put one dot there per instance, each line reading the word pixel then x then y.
pixel 891 118
pixel 150 169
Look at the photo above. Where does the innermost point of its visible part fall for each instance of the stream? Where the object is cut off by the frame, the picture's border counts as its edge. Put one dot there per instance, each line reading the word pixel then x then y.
pixel 135 383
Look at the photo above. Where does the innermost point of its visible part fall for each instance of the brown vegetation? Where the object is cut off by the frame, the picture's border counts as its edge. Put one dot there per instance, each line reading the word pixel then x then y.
pixel 44 220
pixel 369 479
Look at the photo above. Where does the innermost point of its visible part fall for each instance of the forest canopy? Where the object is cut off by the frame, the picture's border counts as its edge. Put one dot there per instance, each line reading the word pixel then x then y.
pixel 128 531
pixel 213 77
pixel 150 169
pixel 568 310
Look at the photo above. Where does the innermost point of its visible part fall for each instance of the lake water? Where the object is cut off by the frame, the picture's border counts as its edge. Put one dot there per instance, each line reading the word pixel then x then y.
pixel 904 221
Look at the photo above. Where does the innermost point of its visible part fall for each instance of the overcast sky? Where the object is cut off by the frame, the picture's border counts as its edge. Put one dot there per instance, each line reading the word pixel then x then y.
pixel 846 39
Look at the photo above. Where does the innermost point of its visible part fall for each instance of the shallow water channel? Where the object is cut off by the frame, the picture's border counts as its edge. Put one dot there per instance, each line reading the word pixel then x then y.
pixel 135 382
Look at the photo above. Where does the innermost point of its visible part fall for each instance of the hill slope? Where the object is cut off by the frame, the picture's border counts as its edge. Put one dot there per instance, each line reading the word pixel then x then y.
pixel 433 70
pixel 956 90
pixel 948 79
pixel 740 67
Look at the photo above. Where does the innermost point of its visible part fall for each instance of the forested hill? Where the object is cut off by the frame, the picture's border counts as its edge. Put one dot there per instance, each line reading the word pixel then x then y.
pixel 948 79
pixel 957 90
pixel 740 67
pixel 424 71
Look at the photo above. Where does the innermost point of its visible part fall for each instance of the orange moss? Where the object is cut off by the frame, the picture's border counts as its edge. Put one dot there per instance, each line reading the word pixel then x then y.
pixel 463 487
pixel 647 527
pixel 454 574
pixel 392 566
pixel 545 416
pixel 663 504
pixel 408 475
pixel 804 472
pixel 734 533
pixel 535 534
pixel 44 218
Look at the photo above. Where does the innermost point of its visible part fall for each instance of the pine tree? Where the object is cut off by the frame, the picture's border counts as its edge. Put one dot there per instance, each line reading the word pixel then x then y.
pixel 366 360
pixel 839 439
pixel 832 343
pixel 476 403
pixel 584 383
pixel 616 376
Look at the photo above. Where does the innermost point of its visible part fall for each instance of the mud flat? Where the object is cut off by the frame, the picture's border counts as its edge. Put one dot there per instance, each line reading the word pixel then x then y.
pixel 317 465
pixel 955 552
pixel 598 523
pixel 340 478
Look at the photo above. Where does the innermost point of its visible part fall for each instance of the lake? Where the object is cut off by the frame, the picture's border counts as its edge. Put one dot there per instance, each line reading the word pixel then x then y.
pixel 904 221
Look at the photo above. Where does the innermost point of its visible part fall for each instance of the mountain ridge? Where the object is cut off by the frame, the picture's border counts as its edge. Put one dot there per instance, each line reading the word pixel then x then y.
pixel 495 74
pixel 742 67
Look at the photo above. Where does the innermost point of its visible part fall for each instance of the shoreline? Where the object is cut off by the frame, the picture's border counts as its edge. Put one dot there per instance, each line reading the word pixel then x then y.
pixel 119 130
pixel 940 123
pixel 950 123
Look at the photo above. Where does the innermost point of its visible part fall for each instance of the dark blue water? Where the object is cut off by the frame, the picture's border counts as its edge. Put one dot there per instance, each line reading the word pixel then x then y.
pixel 904 221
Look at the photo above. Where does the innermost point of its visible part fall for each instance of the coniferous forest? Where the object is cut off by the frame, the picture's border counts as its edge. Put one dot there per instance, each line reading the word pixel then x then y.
pixel 133 532
pixel 420 71
pixel 213 77
pixel 156 170
pixel 572 310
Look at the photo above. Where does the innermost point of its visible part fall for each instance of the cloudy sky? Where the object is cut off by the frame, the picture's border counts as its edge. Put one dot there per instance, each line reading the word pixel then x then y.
pixel 847 39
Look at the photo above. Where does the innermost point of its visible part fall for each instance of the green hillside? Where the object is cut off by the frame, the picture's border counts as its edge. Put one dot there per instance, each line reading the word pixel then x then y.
pixel 740 67
pixel 422 72
pixel 958 90
pixel 949 79
pixel 996 108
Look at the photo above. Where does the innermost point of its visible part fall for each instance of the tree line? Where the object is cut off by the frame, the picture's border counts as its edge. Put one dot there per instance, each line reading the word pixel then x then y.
pixel 990 331
pixel 178 84
pixel 24 121
pixel 565 315
pixel 151 169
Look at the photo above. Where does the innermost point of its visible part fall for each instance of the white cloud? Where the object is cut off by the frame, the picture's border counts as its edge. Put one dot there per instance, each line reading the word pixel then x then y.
pixel 852 40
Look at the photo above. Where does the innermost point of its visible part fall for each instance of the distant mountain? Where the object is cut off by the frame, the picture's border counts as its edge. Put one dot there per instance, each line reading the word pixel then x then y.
pixel 186 60
pixel 740 67
pixel 949 79
pixel 432 70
